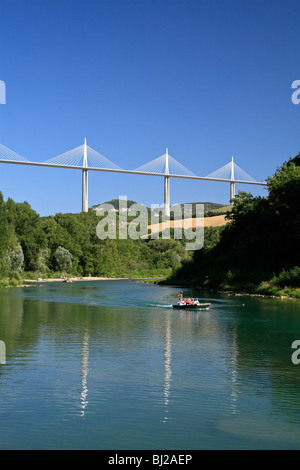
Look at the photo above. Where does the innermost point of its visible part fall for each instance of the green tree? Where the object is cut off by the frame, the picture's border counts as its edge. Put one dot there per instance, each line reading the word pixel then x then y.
pixel 63 259
pixel 7 239
pixel 27 227
pixel 43 259
pixel 15 260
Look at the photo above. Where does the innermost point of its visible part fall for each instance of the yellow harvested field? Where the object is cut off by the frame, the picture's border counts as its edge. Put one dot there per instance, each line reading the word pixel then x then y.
pixel 216 221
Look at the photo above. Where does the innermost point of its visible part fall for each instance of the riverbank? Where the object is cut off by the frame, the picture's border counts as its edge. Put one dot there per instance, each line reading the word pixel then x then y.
pixel 28 282
pixel 75 279
pixel 262 290
pixel 32 280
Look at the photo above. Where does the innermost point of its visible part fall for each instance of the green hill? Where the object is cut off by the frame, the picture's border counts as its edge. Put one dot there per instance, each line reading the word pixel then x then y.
pixel 210 208
pixel 114 203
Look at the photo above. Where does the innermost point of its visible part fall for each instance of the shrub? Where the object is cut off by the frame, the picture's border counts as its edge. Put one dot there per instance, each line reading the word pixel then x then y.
pixel 287 278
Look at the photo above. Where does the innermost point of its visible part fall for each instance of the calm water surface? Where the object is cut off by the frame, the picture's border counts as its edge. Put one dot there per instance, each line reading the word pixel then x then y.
pixel 110 365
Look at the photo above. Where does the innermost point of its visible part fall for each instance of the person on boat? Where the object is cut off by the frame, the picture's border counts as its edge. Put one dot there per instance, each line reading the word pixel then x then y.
pixel 189 302
pixel 180 298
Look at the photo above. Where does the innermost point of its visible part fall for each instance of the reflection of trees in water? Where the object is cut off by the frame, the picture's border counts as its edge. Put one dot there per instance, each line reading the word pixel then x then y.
pixel 11 322
pixel 24 320
pixel 261 355
pixel 256 342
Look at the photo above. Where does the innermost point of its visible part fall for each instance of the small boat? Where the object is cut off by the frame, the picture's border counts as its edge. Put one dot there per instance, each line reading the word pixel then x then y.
pixel 192 306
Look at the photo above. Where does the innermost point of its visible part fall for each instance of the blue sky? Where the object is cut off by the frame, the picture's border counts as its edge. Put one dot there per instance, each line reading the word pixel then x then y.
pixel 206 78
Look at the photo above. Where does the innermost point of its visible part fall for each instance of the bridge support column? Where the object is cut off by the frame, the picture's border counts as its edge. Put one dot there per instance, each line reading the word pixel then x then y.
pixel 167 187
pixel 232 193
pixel 232 184
pixel 85 181
pixel 167 197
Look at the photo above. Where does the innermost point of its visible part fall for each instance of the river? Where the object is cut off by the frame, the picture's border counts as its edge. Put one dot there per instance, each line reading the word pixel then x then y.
pixel 111 365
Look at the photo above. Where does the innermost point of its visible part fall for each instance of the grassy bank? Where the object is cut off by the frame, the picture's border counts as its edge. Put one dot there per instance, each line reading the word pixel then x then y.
pixel 10 283
pixel 153 276
pixel 283 285
pixel 154 273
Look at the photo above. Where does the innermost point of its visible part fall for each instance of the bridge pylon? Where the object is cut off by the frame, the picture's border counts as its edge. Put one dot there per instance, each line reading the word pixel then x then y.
pixel 85 180
pixel 167 187
pixel 232 184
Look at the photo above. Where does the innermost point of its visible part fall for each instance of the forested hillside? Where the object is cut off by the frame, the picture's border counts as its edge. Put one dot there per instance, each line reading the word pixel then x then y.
pixel 32 246
pixel 259 250
pixel 68 243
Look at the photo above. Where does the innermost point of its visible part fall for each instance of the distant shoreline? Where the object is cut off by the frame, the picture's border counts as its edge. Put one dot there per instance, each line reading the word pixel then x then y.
pixel 75 279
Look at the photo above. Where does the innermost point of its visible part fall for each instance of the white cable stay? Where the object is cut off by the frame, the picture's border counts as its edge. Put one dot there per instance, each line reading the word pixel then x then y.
pixel 158 165
pixel 75 157
pixel 225 172
pixel 10 156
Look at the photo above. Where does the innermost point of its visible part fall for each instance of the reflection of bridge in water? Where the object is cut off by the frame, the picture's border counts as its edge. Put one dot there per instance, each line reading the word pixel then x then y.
pixel 214 347
pixel 209 326
pixel 86 159
pixel 2 352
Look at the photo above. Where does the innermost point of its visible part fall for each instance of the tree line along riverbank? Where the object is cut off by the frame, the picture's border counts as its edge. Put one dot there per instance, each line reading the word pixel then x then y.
pixel 67 245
